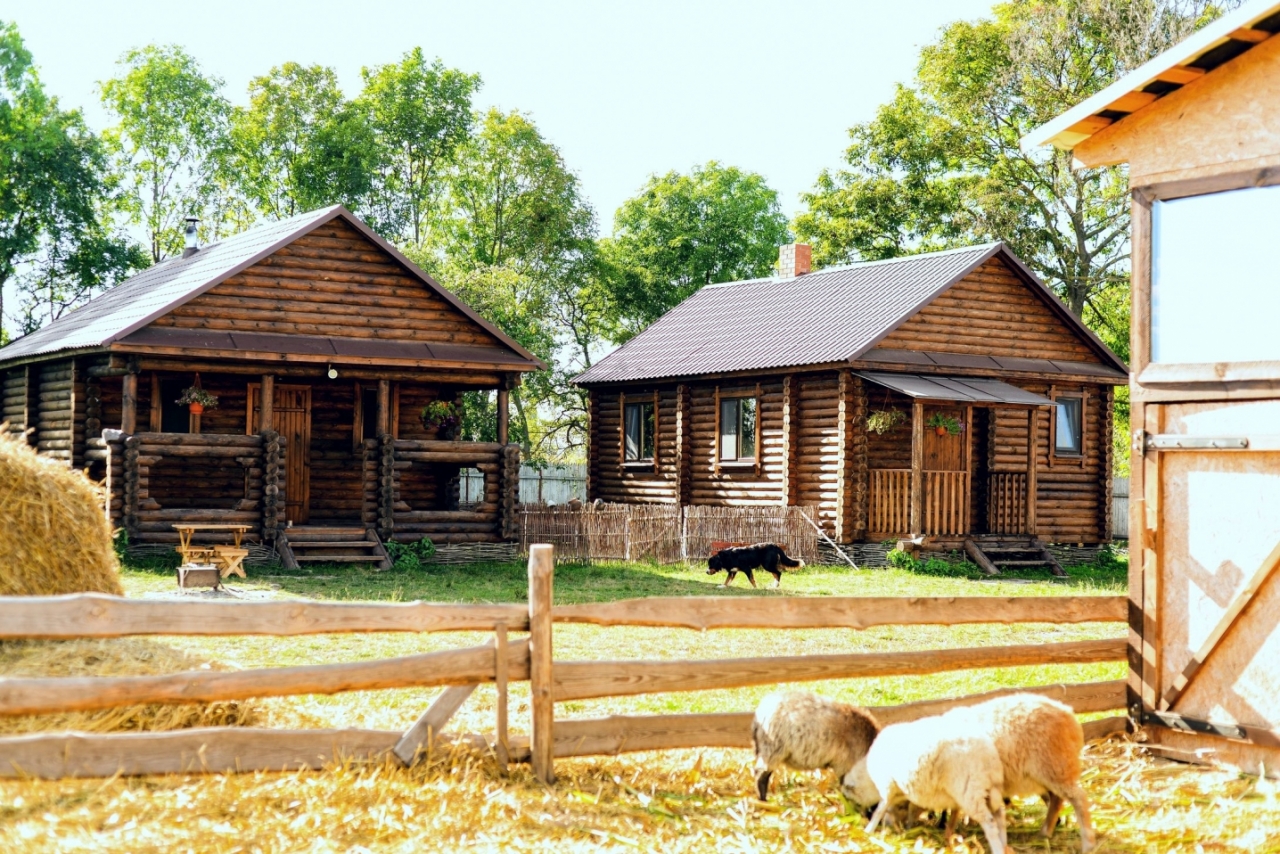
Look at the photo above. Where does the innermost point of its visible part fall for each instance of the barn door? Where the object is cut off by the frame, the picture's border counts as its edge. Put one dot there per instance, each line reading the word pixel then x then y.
pixel 1211 587
pixel 291 418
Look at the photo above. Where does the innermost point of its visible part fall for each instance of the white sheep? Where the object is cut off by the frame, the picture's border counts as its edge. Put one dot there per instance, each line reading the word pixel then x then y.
pixel 936 766
pixel 806 732
pixel 1039 742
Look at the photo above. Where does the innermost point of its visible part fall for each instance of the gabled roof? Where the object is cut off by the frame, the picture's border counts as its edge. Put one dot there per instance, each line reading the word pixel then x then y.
pixel 136 302
pixel 1185 62
pixel 829 316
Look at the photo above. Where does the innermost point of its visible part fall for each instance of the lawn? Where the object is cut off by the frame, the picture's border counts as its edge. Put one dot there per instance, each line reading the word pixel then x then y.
pixel 696 800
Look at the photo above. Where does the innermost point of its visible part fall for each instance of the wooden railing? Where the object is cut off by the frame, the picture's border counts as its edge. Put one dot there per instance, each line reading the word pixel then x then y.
pixel 399 514
pixel 890 507
pixel 227 749
pixel 946 503
pixel 1007 502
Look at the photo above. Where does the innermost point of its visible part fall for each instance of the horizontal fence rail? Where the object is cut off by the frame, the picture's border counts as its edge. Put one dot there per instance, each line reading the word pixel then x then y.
pixel 224 749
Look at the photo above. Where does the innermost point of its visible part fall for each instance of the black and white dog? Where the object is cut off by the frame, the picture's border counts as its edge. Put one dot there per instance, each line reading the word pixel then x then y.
pixel 767 556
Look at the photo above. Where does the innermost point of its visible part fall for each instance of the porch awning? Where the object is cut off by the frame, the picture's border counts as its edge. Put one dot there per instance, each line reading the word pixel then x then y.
pixel 962 389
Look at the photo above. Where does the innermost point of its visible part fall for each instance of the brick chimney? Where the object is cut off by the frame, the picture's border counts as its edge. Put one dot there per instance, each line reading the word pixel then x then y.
pixel 794 259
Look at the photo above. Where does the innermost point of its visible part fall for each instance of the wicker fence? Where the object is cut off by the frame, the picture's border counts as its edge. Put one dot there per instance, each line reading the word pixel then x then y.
pixel 662 532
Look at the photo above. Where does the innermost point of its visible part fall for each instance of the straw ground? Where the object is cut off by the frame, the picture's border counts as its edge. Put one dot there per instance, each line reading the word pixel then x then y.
pixel 674 801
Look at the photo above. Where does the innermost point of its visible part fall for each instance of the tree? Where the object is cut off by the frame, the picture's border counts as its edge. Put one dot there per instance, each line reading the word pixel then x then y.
pixel 682 232
pixel 518 243
pixel 420 113
pixel 52 187
pixel 942 164
pixel 300 144
pixel 169 143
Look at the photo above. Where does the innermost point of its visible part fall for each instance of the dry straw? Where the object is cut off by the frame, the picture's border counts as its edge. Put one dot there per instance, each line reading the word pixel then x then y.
pixel 56 538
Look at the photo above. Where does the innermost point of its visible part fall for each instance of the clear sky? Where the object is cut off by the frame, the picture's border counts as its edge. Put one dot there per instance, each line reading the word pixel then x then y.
pixel 624 89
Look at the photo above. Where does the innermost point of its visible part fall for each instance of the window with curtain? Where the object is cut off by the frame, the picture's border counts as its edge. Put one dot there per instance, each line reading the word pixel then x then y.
pixel 737 429
pixel 639 433
pixel 1068 433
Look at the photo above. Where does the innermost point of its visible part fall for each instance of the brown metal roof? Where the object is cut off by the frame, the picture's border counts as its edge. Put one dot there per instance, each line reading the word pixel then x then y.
pixel 134 303
pixel 961 389
pixel 829 316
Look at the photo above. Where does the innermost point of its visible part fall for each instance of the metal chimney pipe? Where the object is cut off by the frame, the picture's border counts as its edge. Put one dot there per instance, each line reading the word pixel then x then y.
pixel 192 242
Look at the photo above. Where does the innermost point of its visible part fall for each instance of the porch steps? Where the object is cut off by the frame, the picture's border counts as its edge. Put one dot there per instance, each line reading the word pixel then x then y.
pixel 336 544
pixel 995 555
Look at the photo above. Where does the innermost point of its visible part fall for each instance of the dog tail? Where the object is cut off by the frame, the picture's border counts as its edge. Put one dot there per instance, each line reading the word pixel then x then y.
pixel 790 563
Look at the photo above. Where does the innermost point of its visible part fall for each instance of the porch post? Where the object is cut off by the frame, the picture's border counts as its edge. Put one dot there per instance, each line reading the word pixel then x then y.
pixel 384 407
pixel 1033 440
pixel 917 469
pixel 504 415
pixel 267 403
pixel 128 405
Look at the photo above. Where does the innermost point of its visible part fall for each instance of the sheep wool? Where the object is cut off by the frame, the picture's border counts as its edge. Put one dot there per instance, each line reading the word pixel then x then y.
pixel 806 732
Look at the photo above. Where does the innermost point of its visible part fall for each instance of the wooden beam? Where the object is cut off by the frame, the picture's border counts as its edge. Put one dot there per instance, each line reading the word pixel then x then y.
pixel 1033 441
pixel 1236 732
pixel 1245 34
pixel 22 696
pixel 718 612
pixel 97 615
pixel 1233 613
pixel 1132 102
pixel 384 407
pixel 580 680
pixel 1181 74
pixel 501 744
pixel 504 415
pixel 422 734
pixel 916 521
pixel 128 404
pixel 541 674
pixel 267 403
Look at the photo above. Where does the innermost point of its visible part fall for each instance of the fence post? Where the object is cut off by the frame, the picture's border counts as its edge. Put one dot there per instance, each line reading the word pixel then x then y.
pixel 542 742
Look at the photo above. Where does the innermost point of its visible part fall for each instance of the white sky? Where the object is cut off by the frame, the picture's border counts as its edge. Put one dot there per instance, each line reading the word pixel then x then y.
pixel 625 90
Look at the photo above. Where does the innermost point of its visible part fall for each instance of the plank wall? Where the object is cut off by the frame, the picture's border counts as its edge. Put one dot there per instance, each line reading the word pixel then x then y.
pixel 332 281
pixel 991 312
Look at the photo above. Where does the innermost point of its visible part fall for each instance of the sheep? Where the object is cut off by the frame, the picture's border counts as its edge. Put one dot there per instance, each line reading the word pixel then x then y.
pixel 805 731
pixel 1039 742
pixel 935 765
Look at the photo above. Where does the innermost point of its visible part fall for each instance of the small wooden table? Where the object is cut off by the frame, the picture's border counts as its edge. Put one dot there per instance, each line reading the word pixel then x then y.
pixel 230 557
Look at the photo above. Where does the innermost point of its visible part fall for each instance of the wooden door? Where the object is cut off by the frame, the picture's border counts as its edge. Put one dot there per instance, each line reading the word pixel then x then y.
pixel 1210 587
pixel 291 417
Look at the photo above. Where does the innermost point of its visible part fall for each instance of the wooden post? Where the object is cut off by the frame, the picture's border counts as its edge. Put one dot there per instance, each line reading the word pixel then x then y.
pixel 500 680
pixel 267 403
pixel 844 479
pixel 504 415
pixel 384 407
pixel 1033 441
pixel 917 469
pixel 542 738
pixel 789 399
pixel 129 405
pixel 684 447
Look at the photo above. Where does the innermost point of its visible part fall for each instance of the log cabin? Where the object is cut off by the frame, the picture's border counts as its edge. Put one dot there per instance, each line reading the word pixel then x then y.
pixel 947 397
pixel 322 344
pixel 1199 131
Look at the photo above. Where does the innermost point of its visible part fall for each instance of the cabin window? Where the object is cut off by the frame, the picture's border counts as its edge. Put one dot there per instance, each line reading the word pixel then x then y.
pixel 174 417
pixel 737 429
pixel 1068 430
pixel 1215 289
pixel 639 433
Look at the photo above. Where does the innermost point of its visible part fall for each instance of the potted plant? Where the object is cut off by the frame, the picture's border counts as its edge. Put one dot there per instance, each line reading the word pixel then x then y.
pixel 197 400
pixel 944 424
pixel 443 416
pixel 882 421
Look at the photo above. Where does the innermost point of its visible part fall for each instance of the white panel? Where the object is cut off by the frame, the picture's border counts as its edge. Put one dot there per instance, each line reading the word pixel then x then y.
pixel 1215 283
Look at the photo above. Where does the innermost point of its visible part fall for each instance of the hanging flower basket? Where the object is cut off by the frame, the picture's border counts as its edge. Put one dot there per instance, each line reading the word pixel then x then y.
pixel 884 420
pixel 197 400
pixel 443 416
pixel 944 424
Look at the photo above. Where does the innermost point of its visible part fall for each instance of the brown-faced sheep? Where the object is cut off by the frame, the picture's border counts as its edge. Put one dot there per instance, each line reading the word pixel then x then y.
pixel 806 732
pixel 1039 742
pixel 934 765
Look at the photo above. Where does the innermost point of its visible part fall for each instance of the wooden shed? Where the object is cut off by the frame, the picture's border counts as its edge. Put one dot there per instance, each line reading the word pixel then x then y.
pixel 1199 129
pixel 949 396
pixel 322 344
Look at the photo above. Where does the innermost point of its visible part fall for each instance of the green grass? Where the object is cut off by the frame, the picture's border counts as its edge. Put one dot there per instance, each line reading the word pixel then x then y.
pixel 576 583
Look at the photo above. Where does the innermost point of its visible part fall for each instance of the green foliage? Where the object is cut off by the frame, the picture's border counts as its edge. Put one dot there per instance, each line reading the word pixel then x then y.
pixel 947 422
pixel 120 544
pixel 408 557
pixel 884 420
pixel 194 394
pixel 683 232
pixel 441 414
pixel 300 145
pixel 168 143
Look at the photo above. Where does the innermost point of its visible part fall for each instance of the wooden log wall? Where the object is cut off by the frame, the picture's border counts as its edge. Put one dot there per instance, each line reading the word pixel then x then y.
pixel 509 485
pixel 436 464
pixel 272 518
pixel 371 467
pixel 113 476
pixel 16 401
pixel 991 312
pixel 818 445
pixel 337 494
pixel 332 281
pixel 634 483
pixel 55 434
pixel 737 485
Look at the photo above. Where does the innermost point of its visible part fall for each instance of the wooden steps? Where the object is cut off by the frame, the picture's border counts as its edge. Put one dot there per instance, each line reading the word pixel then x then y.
pixel 995 555
pixel 336 544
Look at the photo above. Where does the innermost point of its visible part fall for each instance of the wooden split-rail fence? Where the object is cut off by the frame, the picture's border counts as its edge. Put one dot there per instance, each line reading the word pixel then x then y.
pixel 501 661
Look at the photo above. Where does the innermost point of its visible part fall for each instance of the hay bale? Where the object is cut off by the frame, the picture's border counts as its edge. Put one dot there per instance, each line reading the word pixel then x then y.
pixel 115 657
pixel 56 535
